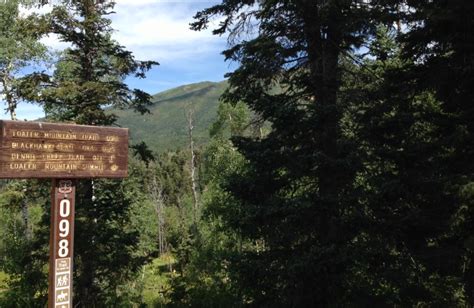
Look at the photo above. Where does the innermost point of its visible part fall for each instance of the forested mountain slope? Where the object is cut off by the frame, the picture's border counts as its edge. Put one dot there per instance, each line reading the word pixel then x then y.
pixel 166 126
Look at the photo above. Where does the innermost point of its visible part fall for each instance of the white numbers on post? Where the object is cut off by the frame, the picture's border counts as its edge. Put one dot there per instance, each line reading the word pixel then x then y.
pixel 63 248
pixel 64 227
pixel 64 208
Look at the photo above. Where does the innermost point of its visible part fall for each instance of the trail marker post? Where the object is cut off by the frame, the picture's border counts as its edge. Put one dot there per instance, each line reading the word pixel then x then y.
pixel 63 153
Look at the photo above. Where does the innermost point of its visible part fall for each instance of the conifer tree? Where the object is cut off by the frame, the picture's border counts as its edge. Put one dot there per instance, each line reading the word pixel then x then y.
pixel 90 74
pixel 295 197
pixel 362 191
pixel 439 44
pixel 88 78
pixel 402 198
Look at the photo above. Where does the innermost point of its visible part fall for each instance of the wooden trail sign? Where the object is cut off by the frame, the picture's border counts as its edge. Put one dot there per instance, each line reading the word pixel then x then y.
pixel 48 150
pixel 63 152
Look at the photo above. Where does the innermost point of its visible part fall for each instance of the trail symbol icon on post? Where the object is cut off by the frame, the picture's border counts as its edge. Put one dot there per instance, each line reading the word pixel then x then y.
pixel 65 187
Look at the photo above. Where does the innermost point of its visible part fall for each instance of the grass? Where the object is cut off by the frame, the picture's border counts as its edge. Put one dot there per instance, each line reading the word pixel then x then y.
pixel 3 282
pixel 156 276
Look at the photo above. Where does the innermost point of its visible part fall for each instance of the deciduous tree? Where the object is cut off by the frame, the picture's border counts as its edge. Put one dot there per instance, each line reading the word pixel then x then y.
pixel 19 48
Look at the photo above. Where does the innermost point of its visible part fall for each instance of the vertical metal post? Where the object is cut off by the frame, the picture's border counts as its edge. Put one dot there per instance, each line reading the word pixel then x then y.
pixel 61 244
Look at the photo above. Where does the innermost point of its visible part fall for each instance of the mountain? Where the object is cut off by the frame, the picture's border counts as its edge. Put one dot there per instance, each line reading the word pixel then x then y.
pixel 166 127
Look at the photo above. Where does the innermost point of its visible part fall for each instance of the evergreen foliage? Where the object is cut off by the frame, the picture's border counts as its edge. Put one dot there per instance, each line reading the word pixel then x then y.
pixel 338 171
pixel 295 199
pixel 353 197
pixel 90 74
pixel 440 45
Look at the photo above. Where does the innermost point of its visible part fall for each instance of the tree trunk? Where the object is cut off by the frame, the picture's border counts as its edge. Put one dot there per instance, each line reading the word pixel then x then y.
pixel 7 90
pixel 190 115
pixel 157 195
pixel 324 41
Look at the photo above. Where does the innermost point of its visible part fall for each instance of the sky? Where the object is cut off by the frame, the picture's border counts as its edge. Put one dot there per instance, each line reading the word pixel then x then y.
pixel 159 30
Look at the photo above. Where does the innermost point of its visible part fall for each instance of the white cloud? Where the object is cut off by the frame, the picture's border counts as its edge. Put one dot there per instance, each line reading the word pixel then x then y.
pixel 135 2
pixel 52 41
pixel 161 31
pixel 146 2
pixel 155 29
pixel 24 112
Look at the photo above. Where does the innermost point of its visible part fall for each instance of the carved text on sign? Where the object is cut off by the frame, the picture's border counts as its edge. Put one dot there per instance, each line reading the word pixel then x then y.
pixel 35 150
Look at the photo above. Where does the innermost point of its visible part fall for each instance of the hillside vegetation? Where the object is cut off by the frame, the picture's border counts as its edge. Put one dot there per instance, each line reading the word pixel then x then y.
pixel 336 171
pixel 166 126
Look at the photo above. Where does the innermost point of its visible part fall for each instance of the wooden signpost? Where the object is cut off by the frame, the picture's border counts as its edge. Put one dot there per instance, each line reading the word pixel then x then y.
pixel 62 152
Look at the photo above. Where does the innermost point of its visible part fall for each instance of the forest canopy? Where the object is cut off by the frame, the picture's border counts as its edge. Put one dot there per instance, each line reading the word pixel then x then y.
pixel 338 170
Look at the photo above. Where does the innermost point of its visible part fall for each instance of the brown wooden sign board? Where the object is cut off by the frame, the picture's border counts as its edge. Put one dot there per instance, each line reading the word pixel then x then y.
pixel 62 152
pixel 50 150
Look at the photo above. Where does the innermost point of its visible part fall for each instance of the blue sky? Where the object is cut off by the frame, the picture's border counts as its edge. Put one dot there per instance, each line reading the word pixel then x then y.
pixel 159 30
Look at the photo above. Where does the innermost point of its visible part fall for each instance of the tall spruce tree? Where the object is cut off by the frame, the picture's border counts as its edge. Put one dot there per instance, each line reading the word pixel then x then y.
pixel 89 77
pixel 403 199
pixel 439 43
pixel 295 198
pixel 416 130
pixel 397 230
